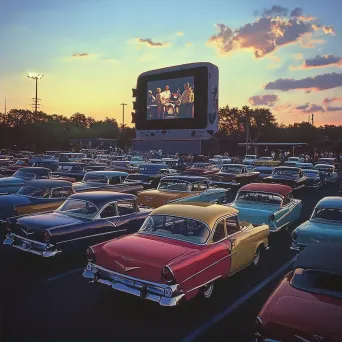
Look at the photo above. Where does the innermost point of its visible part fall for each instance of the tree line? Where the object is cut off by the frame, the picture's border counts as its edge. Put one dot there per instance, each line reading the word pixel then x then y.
pixel 25 129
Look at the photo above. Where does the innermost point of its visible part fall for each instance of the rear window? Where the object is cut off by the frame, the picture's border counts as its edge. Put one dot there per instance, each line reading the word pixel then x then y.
pixel 259 197
pixel 318 282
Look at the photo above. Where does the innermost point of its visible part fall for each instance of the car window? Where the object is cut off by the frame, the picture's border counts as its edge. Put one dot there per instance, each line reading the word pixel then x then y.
pixel 232 225
pixel 202 186
pixel 109 211
pixel 114 180
pixel 220 231
pixel 126 207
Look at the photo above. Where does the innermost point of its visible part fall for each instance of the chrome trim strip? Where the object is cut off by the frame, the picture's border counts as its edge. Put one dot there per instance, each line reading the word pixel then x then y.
pixel 206 283
pixel 26 239
pixel 90 236
pixel 204 269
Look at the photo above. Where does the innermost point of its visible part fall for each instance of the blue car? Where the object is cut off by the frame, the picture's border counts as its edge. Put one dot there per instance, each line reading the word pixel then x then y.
pixel 271 204
pixel 265 171
pixel 11 185
pixel 35 196
pixel 324 225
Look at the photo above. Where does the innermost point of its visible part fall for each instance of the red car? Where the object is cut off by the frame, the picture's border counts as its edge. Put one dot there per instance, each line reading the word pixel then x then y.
pixel 307 304
pixel 179 252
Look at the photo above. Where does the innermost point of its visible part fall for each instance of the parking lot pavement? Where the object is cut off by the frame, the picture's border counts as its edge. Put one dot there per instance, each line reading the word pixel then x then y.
pixel 54 302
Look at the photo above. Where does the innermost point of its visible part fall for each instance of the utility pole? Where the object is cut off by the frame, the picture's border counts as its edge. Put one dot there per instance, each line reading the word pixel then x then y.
pixel 5 105
pixel 312 119
pixel 123 113
pixel 36 77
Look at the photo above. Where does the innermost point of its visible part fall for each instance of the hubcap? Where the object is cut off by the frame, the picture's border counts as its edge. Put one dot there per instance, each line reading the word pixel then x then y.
pixel 256 257
pixel 208 290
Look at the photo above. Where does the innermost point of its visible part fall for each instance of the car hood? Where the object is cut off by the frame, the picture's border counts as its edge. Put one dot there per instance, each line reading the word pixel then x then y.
pixel 146 254
pixel 315 231
pixel 7 203
pixel 300 321
pixel 41 222
pixel 82 186
pixel 156 198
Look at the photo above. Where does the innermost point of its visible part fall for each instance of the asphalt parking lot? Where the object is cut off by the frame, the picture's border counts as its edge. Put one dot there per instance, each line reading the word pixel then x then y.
pixel 46 301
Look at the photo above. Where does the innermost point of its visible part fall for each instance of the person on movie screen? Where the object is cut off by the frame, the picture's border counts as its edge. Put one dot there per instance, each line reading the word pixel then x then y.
pixel 166 97
pixel 160 107
pixel 151 104
pixel 187 102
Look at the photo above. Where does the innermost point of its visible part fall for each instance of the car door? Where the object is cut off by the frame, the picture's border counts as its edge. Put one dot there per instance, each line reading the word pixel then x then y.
pixel 129 220
pixel 240 243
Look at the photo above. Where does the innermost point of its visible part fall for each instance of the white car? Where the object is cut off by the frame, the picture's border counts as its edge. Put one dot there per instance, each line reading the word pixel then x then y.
pixel 250 159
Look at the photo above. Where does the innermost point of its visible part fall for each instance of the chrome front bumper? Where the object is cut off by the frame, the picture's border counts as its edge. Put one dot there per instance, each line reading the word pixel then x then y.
pixel 38 248
pixel 165 295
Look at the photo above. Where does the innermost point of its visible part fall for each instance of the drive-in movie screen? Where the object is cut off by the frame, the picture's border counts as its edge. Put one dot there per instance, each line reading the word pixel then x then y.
pixel 171 99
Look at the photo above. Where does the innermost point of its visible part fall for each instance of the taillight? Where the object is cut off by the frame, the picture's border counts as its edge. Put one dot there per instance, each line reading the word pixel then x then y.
pixel 259 330
pixel 168 275
pixel 90 255
pixel 47 236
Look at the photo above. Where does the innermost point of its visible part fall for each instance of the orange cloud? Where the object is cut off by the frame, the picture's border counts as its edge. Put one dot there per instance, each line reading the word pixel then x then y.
pixel 331 100
pixel 263 100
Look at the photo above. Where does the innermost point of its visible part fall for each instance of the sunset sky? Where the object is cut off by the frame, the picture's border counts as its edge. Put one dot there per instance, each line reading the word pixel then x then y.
pixel 91 51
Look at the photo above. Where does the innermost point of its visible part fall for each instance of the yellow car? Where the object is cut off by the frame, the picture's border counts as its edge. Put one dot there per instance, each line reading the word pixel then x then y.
pixel 180 188
pixel 267 161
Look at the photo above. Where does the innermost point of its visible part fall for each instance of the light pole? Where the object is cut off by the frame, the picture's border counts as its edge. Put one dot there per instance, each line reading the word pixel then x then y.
pixel 35 77
pixel 123 113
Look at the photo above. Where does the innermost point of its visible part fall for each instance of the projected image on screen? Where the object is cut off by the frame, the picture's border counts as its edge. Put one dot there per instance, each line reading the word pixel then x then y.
pixel 171 99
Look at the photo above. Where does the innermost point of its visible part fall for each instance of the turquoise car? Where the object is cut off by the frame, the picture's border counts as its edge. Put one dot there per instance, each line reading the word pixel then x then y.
pixel 324 225
pixel 271 204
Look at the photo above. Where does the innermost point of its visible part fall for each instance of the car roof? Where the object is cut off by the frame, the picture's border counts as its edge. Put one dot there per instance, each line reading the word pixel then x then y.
pixel 287 168
pixel 108 173
pixel 280 189
pixel 208 213
pixel 35 169
pixel 330 202
pixel 324 165
pixel 239 165
pixel 310 170
pixel 190 179
pixel 48 183
pixel 154 165
pixel 100 198
pixel 260 168
pixel 322 256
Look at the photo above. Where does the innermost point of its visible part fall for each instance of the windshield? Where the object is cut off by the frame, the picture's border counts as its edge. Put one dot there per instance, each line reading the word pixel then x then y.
pixel 250 157
pixel 329 214
pixel 286 172
pixel 174 185
pixel 178 228
pixel 34 192
pixel 25 174
pixel 260 197
pixel 311 173
pixel 19 162
pixel 94 178
pixel 325 168
pixel 78 208
pixel 231 169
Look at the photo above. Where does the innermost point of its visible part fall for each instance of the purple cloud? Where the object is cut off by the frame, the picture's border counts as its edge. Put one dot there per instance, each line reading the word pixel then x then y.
pixel 322 61
pixel 334 109
pixel 318 83
pixel 263 100
pixel 149 42
pixel 310 108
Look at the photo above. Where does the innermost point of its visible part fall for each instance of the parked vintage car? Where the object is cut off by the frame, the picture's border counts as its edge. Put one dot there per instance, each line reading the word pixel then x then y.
pixel 124 166
pixel 267 161
pixel 271 204
pixel 314 178
pixel 328 161
pixel 35 196
pixel 179 253
pixel 11 185
pixel 305 166
pixel 291 163
pixel 249 159
pixel 106 180
pixel 264 171
pixel 147 181
pixel 83 219
pixel 325 224
pixel 291 176
pixel 233 175
pixel 13 167
pixel 181 188
pixel 71 169
pixel 307 305
pixel 330 176
pixel 156 170
pixel 201 169
pixel 52 165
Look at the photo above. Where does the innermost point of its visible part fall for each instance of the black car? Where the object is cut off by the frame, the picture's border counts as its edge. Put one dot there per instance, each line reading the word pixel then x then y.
pixel 84 219
pixel 49 164
pixel 291 176
pixel 71 169
pixel 314 178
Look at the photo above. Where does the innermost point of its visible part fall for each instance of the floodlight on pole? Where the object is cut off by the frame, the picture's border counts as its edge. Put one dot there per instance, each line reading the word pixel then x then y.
pixel 35 77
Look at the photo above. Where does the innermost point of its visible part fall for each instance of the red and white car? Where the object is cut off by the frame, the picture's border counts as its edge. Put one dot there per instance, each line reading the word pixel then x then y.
pixel 307 304
pixel 179 252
